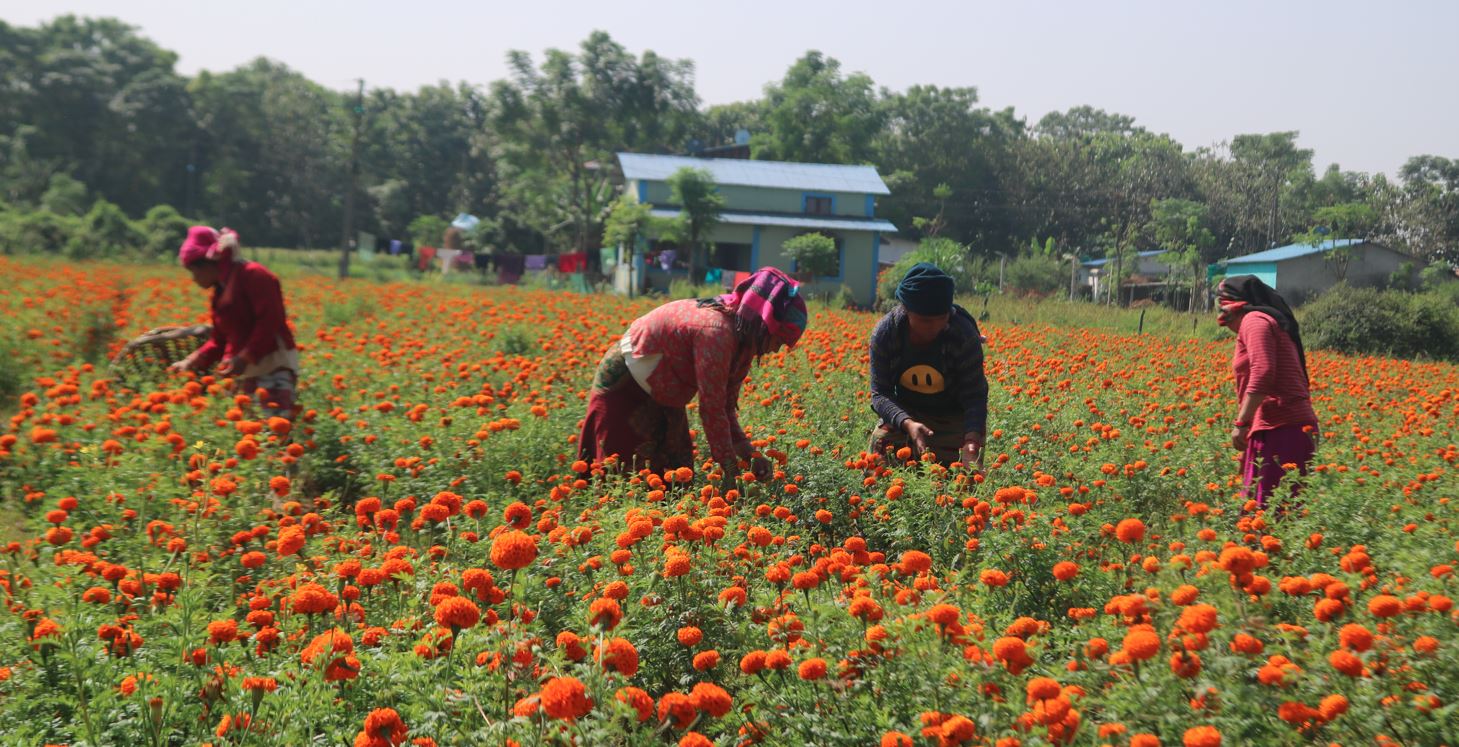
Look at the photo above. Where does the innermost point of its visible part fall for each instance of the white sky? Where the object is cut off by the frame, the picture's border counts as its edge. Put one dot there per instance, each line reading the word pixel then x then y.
pixel 1367 83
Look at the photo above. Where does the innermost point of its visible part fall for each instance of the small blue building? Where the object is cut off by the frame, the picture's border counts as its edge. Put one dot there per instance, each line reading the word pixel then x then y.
pixel 1301 271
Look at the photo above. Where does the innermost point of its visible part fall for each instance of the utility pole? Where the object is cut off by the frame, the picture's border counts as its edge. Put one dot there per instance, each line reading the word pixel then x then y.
pixel 348 235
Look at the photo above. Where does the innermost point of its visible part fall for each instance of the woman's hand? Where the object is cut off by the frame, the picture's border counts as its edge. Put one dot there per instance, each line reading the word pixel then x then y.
pixel 762 468
pixel 919 434
pixel 972 450
pixel 233 366
pixel 186 364
pixel 1238 437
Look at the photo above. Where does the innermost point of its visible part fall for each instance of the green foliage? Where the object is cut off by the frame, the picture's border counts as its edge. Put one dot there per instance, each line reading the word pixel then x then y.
pixel 814 254
pixel 1367 321
pixel 163 230
pixel 627 221
pixel 816 114
pixel 1038 275
pixel 65 195
pixel 968 273
pixel 105 231
pixel 26 231
pixel 427 230
pixel 699 203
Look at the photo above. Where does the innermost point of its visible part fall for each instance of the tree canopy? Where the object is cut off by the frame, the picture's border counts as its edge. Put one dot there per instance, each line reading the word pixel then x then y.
pixel 92 110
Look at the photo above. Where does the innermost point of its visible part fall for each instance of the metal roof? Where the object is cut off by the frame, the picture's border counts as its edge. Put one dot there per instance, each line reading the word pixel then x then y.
pixel 1104 260
pixel 829 223
pixel 824 177
pixel 1293 251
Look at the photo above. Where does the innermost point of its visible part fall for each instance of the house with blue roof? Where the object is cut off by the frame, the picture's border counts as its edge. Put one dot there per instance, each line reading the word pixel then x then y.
pixel 766 203
pixel 1148 270
pixel 1301 271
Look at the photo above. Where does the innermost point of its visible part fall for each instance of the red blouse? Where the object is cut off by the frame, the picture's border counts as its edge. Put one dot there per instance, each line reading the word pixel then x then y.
pixel 1266 363
pixel 699 349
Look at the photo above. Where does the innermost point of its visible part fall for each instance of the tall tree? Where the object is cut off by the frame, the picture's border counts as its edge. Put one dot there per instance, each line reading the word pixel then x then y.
pixel 1178 226
pixel 700 203
pixel 938 137
pixel 816 114
pixel 557 127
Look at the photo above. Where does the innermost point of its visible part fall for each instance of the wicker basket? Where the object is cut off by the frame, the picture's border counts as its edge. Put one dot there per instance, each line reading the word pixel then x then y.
pixel 147 356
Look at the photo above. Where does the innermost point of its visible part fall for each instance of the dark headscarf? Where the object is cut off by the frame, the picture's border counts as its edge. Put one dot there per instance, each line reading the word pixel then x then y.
pixel 1261 297
pixel 926 290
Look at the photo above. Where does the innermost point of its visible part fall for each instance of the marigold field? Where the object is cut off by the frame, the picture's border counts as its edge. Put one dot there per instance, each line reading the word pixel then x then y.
pixel 420 559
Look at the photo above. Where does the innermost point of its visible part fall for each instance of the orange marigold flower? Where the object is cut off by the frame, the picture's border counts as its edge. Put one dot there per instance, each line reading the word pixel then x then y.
pixel 915 561
pixel 1355 637
pixel 620 656
pixel 706 660
pixel 1013 652
pixel 1065 570
pixel 1198 618
pixel 677 708
pixel 1130 531
pixel 993 578
pixel 711 699
pixel 1385 605
pixel 513 550
pixel 689 635
pixel 638 700
pixel 1202 736
pixel 895 739
pixel 1042 688
pixel 1346 662
pixel 313 599
pixel 1141 644
pixel 812 669
pixel 457 613
pixel 694 739
pixel 565 699
pixel 383 728
pixel 944 615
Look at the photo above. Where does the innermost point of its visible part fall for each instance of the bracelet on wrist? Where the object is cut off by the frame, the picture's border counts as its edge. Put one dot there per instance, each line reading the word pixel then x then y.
pixel 1240 424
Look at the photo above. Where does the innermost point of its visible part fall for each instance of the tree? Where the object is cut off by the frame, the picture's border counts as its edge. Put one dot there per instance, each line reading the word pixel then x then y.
pixel 558 126
pixel 627 221
pixel 1271 163
pixel 694 191
pixel 1178 226
pixel 818 115
pixel 1352 221
pixel 815 255
pixel 948 160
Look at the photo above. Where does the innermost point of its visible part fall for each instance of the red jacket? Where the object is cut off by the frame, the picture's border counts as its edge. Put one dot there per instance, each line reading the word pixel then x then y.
pixel 248 316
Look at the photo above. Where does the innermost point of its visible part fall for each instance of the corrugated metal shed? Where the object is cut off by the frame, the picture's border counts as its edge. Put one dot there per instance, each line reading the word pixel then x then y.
pixel 1105 260
pixel 823 177
pixel 1292 251
pixel 793 221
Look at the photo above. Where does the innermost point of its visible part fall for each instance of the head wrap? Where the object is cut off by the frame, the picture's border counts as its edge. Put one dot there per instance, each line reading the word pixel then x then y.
pixel 926 290
pixel 204 243
pixel 1258 296
pixel 770 297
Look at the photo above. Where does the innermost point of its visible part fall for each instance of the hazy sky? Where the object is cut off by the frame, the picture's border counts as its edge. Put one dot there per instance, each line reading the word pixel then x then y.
pixel 1367 83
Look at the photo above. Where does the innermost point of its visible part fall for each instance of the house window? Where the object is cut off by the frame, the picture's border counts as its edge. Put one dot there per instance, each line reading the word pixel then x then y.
pixel 734 257
pixel 818 204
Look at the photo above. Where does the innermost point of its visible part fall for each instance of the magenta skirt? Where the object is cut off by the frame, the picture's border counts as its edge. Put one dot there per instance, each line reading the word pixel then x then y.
pixel 1266 452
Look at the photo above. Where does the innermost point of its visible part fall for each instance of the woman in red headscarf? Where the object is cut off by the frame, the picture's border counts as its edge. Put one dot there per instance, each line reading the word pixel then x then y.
pixel 684 349
pixel 250 326
pixel 1275 424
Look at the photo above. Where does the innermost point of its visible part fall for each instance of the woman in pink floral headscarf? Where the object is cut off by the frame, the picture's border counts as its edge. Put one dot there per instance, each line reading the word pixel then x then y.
pixel 681 350
pixel 250 326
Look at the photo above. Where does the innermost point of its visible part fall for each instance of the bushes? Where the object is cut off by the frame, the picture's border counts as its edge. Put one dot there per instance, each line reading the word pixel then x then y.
pixel 105 231
pixel 163 230
pixel 35 231
pixel 949 256
pixel 1036 275
pixel 1373 322
pixel 815 254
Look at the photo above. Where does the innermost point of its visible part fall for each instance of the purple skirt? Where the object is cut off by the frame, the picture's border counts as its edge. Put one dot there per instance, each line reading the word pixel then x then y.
pixel 1266 452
